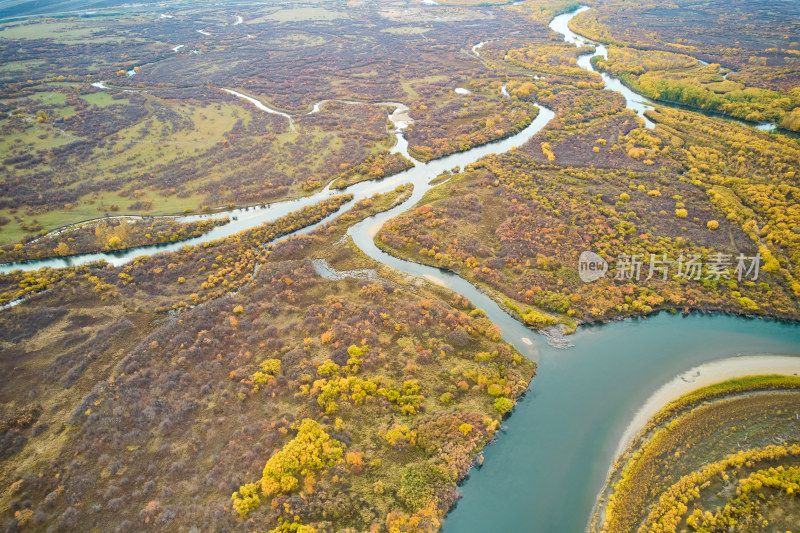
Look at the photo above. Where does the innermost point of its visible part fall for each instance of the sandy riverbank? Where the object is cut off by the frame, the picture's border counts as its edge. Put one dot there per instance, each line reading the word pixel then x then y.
pixel 684 383
pixel 702 376
pixel 401 116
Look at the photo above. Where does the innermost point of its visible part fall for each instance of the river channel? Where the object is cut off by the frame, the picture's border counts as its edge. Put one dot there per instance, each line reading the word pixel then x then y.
pixel 553 454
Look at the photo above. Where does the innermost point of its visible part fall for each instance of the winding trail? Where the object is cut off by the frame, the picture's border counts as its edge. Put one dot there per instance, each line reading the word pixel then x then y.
pixel 262 107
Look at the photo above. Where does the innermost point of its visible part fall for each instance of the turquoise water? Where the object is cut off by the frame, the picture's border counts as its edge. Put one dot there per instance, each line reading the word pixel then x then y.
pixel 551 460
pixel 547 467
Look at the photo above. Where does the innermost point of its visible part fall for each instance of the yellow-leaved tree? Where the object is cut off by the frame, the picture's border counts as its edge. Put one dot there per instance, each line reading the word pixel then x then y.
pixel 311 451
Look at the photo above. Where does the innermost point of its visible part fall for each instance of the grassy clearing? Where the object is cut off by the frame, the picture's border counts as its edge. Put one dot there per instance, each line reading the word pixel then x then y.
pixel 153 137
pixel 409 84
pixel 406 30
pixel 138 146
pixel 69 32
pixel 34 137
pixel 49 98
pixel 296 40
pixel 91 207
pixel 13 68
pixel 299 14
pixel 64 112
pixel 103 99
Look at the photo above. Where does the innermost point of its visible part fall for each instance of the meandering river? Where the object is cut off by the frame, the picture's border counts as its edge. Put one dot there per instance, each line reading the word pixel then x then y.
pixel 634 101
pixel 546 469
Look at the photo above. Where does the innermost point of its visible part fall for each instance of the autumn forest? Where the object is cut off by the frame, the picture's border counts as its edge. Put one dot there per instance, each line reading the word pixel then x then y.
pixel 309 266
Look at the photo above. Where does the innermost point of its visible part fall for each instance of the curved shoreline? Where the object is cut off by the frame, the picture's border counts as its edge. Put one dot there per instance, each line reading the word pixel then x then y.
pixel 684 383
pixel 601 50
pixel 527 341
pixel 763 127
pixel 703 376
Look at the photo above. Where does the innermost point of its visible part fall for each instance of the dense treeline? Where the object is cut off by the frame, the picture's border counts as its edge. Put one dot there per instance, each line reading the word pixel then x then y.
pixel 374 167
pixel 107 235
pixel 682 79
pixel 754 78
pixel 199 273
pixel 210 270
pixel 763 54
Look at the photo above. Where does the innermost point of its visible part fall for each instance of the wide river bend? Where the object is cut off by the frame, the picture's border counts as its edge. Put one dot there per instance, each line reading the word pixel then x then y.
pixel 546 469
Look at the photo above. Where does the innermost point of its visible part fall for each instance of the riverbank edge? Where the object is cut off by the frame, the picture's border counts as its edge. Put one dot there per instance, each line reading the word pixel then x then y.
pixel 403 116
pixel 718 371
pixel 210 211
pixel 709 112
pixel 510 133
pixel 568 329
pixel 68 228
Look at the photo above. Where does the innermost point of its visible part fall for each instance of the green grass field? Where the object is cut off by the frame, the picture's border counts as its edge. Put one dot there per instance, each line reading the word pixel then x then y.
pixel 102 99
pixel 72 31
